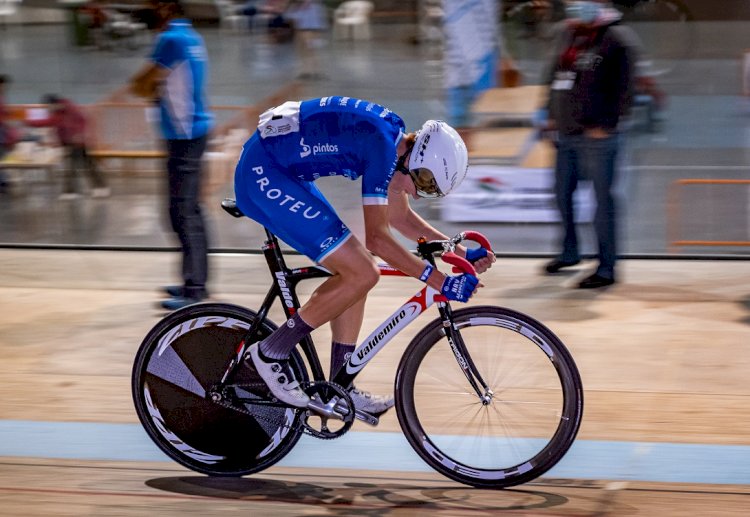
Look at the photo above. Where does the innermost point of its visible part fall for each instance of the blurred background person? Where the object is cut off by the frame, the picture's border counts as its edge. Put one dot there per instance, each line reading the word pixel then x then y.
pixel 70 124
pixel 278 26
pixel 591 79
pixel 175 76
pixel 8 134
pixel 310 23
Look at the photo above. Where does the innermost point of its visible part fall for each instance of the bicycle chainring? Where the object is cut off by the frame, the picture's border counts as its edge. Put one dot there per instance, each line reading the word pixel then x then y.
pixel 335 415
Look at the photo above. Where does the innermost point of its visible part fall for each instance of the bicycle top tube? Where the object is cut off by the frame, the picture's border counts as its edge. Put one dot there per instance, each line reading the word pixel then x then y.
pixel 425 249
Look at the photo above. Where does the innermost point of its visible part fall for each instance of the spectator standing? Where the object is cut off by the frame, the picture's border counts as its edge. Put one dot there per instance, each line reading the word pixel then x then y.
pixel 70 124
pixel 8 135
pixel 175 76
pixel 309 17
pixel 591 80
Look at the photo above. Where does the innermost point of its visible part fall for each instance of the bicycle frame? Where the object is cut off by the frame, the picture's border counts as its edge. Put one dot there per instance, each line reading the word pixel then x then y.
pixel 283 288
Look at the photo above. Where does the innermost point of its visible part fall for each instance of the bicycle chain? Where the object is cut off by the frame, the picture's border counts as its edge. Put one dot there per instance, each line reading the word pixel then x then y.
pixel 298 426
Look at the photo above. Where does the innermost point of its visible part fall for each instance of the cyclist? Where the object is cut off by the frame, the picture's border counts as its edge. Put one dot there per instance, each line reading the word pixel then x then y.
pixel 298 142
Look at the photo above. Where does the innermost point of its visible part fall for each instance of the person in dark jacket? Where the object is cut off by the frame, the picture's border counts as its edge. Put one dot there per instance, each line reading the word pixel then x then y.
pixel 591 81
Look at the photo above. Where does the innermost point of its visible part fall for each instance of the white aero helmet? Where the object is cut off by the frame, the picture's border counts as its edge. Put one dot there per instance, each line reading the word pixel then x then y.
pixel 439 160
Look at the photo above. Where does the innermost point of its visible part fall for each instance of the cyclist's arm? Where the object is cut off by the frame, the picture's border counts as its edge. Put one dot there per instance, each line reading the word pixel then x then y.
pixel 409 224
pixel 380 241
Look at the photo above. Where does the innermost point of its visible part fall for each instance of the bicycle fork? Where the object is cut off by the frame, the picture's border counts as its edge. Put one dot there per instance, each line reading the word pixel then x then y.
pixel 461 353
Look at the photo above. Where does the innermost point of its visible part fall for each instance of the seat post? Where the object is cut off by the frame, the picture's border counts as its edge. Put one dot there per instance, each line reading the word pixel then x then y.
pixel 273 254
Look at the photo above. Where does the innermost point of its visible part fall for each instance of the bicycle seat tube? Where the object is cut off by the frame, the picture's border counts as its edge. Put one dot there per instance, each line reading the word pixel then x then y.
pixel 284 288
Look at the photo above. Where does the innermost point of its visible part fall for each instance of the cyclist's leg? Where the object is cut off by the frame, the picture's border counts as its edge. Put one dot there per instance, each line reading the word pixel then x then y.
pixel 297 212
pixel 348 284
pixel 345 328
pixel 345 333
pixel 354 274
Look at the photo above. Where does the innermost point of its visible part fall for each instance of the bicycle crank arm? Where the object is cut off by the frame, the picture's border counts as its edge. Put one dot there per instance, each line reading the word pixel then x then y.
pixel 332 411
pixel 366 417
pixel 329 410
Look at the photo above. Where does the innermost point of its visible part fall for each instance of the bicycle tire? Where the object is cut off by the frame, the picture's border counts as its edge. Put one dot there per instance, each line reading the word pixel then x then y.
pixel 438 433
pixel 178 361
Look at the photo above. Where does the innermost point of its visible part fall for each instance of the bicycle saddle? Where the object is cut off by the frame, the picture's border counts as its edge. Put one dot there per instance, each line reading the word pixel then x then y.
pixel 230 206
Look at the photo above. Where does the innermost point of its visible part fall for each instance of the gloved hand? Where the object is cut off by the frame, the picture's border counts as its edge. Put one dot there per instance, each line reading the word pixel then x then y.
pixel 459 288
pixel 474 254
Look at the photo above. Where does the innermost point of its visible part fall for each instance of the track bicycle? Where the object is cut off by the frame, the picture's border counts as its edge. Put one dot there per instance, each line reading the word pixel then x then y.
pixel 485 395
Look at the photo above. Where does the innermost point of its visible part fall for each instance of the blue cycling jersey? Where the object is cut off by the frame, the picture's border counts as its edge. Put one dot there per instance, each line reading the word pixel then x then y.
pixel 335 136
pixel 299 142
pixel 183 107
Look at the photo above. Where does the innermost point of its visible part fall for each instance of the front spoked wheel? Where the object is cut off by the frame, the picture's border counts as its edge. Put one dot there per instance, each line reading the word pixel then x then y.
pixel 176 370
pixel 528 419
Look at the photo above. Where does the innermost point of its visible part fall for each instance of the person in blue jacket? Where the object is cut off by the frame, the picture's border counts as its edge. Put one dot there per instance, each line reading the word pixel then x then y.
pixel 175 77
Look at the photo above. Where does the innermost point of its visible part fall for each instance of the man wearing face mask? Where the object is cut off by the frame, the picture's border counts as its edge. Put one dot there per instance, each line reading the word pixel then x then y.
pixel 591 80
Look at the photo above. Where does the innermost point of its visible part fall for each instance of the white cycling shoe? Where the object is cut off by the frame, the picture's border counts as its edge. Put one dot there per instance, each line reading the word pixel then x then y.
pixel 279 380
pixel 369 403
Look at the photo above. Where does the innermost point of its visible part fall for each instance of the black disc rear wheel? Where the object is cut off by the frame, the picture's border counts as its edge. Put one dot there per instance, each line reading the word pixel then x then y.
pixel 179 362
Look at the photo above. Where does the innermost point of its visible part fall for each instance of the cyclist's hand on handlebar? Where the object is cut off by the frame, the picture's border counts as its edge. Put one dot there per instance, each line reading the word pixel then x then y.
pixel 459 288
pixel 481 258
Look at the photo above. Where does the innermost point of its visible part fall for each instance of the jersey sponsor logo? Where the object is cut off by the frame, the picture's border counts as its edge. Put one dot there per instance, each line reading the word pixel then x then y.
pixel 306 151
pixel 316 149
pixel 285 200
pixel 329 241
pixel 326 243
pixel 278 129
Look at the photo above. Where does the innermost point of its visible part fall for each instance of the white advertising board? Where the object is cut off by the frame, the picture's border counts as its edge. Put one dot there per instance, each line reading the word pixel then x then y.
pixel 512 194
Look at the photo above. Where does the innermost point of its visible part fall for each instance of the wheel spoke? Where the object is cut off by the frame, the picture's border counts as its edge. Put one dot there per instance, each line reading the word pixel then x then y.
pixel 498 441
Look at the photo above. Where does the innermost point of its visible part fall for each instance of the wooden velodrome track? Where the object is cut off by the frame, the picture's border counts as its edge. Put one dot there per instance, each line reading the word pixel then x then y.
pixel 663 356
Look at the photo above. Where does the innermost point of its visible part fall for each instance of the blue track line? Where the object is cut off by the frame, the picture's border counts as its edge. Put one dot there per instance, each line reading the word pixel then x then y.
pixel 360 450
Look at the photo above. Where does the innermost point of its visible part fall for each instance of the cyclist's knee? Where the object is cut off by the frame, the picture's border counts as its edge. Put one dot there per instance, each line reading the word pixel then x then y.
pixel 356 266
pixel 369 275
pixel 361 275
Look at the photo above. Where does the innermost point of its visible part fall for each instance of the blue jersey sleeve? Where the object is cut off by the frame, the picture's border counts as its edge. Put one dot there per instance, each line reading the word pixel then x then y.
pixel 378 172
pixel 166 51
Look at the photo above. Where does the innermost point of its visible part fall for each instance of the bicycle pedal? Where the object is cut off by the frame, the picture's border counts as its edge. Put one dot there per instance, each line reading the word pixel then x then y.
pixel 366 417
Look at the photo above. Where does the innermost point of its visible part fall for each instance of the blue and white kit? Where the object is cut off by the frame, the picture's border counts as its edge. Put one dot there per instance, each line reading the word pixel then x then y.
pixel 183 109
pixel 299 142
